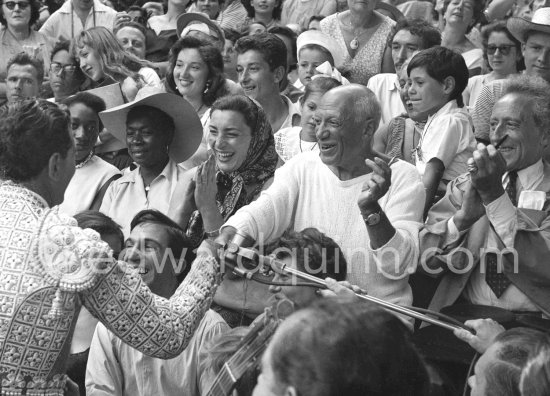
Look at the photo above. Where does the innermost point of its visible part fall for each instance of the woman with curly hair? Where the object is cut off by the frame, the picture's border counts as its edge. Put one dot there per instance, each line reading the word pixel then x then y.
pixel 268 12
pixel 195 72
pixel 105 62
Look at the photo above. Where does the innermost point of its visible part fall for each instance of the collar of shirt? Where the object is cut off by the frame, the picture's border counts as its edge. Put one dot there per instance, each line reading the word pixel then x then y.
pixel 395 86
pixel 98 7
pixel 168 173
pixel 529 177
pixel 448 108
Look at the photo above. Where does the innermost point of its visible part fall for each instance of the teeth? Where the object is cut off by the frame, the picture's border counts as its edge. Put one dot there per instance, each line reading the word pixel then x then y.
pixel 224 155
pixel 143 271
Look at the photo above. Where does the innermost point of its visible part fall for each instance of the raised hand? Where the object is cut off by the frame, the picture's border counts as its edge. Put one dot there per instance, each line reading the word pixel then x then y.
pixel 376 186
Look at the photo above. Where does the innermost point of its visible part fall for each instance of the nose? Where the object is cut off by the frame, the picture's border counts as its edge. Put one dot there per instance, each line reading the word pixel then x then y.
pixel 274 289
pixel 497 132
pixel 544 57
pixel 244 76
pixel 402 54
pixel 19 84
pixel 311 70
pixel 132 255
pixel 321 131
pixel 79 133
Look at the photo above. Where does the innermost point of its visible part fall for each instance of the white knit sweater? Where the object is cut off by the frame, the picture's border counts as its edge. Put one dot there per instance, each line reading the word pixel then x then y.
pixel 305 193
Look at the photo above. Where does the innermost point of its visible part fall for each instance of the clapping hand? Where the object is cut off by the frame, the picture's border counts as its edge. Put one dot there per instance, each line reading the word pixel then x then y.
pixel 486 170
pixel 376 186
pixel 205 185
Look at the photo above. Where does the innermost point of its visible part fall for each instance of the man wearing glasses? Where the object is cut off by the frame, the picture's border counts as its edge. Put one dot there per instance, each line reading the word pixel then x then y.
pixel 25 76
pixel 65 77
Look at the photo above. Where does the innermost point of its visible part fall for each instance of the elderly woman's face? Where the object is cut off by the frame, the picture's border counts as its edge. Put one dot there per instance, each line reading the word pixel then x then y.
pixel 460 11
pixel 190 73
pixel 63 74
pixel 147 145
pixel 85 128
pixel 229 138
pixel 16 12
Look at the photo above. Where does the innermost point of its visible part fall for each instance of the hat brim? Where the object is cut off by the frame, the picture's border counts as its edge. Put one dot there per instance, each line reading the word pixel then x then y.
pixel 188 127
pixel 185 19
pixel 519 27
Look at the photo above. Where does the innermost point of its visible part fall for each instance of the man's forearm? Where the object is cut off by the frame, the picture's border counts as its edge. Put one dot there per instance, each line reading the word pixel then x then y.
pixel 381 232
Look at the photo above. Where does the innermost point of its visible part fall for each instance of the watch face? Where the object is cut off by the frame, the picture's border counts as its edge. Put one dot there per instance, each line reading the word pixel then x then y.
pixel 373 219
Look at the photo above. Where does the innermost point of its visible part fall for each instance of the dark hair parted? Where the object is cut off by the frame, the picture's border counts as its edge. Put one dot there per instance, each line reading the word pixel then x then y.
pixel 212 57
pixel 271 47
pixel 500 27
pixel 100 223
pixel 131 24
pixel 163 122
pixel 241 104
pixel 315 253
pixel 289 34
pixel 440 63
pixel 24 59
pixel 429 35
pixel 337 348
pixel 31 131
pixel 179 243
pixel 277 11
pixel 65 45
pixel 89 100
pixel 35 13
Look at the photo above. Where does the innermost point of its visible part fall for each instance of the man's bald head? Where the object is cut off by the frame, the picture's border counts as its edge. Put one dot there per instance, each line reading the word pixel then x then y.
pixel 360 103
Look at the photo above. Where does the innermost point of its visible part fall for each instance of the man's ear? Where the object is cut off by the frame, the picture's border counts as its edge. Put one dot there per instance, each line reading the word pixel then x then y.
pixel 449 85
pixel 368 129
pixel 279 74
pixel 55 166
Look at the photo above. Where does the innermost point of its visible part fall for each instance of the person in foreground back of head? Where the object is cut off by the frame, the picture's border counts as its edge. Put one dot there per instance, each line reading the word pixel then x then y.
pixel 114 367
pixel 535 377
pixel 47 261
pixel 341 348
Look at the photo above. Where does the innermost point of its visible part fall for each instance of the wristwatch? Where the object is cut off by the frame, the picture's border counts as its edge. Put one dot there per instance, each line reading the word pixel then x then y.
pixel 373 218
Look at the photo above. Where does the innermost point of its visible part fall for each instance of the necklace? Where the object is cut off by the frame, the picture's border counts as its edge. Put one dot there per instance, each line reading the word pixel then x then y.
pixel 300 144
pixel 88 158
pixel 354 43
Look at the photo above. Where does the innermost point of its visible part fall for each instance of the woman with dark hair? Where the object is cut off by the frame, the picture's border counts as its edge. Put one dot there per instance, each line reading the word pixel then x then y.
pixel 341 348
pixel 266 11
pixel 17 35
pixel 92 175
pixel 241 165
pixel 292 141
pixel 502 54
pixel 66 77
pixel 104 60
pixel 196 73
pixel 458 18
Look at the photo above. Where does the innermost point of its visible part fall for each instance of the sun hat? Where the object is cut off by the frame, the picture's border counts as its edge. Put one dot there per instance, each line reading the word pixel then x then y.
pixel 539 23
pixel 321 39
pixel 188 127
pixel 200 22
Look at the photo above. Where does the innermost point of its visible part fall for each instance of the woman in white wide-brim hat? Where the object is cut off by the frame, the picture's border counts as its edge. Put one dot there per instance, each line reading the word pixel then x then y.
pixel 161 131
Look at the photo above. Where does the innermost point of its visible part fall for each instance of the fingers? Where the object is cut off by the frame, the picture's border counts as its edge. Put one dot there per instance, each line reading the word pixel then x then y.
pixel 379 166
pixel 463 335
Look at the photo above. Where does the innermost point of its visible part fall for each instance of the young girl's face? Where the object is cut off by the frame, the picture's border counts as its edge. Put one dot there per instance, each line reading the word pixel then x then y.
pixel 308 111
pixel 426 94
pixel 309 59
pixel 90 63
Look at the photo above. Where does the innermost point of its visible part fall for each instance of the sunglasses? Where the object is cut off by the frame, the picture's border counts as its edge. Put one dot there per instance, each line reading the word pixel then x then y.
pixel 504 49
pixel 10 5
pixel 57 67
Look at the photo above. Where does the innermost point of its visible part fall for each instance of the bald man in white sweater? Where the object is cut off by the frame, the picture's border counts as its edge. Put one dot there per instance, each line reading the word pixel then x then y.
pixel 370 206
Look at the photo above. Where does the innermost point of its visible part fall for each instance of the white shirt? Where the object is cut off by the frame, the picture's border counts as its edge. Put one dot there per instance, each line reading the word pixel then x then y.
pixel 386 88
pixel 65 23
pixel 503 217
pixel 114 368
pixel 449 137
pixel 126 196
pixel 293 111
pixel 306 193
pixel 288 143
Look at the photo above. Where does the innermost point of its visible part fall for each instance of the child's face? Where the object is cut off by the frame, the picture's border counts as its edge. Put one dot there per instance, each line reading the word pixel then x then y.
pixel 309 60
pixel 426 93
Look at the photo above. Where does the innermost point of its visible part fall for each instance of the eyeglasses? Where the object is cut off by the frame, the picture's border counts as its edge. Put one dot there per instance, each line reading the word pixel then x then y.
pixel 10 5
pixel 56 68
pixel 504 49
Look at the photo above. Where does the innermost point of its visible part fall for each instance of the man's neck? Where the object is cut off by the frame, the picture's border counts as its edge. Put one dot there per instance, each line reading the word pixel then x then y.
pixel 40 188
pixel 174 11
pixel 150 173
pixel 82 11
pixel 274 106
pixel 351 171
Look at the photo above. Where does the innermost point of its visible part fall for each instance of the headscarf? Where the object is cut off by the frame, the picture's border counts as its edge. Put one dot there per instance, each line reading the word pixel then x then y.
pixel 257 168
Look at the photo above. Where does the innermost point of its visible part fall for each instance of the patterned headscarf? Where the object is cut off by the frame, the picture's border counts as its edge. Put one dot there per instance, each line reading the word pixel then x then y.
pixel 257 168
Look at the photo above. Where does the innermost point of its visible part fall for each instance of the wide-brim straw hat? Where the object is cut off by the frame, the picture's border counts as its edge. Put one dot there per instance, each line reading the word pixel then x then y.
pixel 191 18
pixel 321 39
pixel 539 23
pixel 188 127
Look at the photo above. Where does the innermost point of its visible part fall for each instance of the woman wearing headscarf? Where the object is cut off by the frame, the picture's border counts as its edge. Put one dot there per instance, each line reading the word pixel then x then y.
pixel 242 164
pixel 161 130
